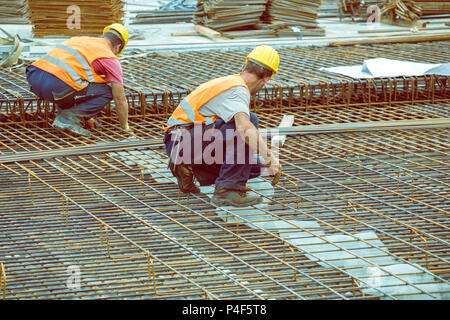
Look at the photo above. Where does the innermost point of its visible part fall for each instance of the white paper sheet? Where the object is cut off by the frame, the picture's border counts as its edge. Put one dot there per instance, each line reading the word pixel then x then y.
pixel 381 67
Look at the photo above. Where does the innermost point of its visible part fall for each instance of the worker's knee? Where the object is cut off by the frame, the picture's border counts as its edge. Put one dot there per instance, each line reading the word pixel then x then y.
pixel 100 90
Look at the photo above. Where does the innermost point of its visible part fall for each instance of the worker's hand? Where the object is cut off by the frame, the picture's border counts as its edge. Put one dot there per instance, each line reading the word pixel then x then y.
pixel 277 176
pixel 274 168
pixel 272 164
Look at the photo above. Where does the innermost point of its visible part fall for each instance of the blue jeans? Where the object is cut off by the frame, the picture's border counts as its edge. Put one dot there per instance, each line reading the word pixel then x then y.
pixel 84 103
pixel 230 173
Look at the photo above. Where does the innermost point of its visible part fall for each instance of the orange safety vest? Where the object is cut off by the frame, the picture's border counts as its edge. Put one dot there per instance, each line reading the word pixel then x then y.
pixel 72 60
pixel 187 110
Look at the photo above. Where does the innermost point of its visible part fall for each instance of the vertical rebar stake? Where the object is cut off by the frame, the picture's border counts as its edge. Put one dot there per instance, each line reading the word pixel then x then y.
pixel 296 193
pixel 411 240
pixel 29 185
pixel 151 272
pixel 293 261
pixel 101 233
pixel 141 169
pixel 426 253
pixel 346 160
pixel 107 242
pixel 104 159
pixel 65 208
pixel 356 213
pixel 3 278
pixel 354 284
pixel 412 186
pixel 359 165
pixel 346 210
pixel 237 231
pixel 187 202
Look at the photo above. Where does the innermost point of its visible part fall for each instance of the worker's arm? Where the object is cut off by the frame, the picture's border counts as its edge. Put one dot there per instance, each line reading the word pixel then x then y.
pixel 121 104
pixel 250 134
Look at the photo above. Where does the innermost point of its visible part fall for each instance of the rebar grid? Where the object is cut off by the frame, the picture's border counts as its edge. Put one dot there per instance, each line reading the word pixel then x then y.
pixel 111 213
pixel 155 84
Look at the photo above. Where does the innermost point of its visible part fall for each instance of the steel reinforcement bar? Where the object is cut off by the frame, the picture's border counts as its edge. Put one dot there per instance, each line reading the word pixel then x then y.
pixel 117 216
pixel 156 83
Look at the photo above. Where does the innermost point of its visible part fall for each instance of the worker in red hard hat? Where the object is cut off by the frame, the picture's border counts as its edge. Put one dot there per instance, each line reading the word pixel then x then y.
pixel 215 117
pixel 81 76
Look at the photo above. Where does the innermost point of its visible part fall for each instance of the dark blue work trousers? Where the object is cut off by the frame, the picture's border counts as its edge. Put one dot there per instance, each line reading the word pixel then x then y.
pixel 238 163
pixel 85 103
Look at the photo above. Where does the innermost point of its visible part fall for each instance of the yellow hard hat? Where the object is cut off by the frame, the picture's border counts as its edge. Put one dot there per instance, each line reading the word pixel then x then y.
pixel 122 31
pixel 267 56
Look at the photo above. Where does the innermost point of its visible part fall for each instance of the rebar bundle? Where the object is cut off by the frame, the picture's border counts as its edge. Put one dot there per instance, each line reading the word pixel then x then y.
pixel 401 9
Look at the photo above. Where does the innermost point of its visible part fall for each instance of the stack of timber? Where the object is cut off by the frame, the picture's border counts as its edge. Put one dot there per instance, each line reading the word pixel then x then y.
pixel 13 12
pixel 295 13
pixel 74 18
pixel 432 8
pixel 224 15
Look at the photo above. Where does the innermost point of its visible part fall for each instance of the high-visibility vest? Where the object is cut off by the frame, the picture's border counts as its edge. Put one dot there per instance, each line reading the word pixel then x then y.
pixel 72 60
pixel 187 110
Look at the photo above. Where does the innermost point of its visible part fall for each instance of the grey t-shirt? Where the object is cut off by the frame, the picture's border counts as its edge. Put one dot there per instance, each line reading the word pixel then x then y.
pixel 227 104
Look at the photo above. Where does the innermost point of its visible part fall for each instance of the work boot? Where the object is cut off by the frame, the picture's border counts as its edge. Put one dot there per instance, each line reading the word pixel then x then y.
pixel 235 198
pixel 92 124
pixel 71 126
pixel 185 177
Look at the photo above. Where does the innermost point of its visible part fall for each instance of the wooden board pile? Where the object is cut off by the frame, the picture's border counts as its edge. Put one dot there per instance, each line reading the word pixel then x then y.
pixel 433 7
pixel 13 11
pixel 223 15
pixel 60 18
pixel 297 13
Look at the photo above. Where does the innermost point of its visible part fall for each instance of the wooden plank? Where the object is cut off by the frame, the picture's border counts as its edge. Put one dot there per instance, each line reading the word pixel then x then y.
pixel 286 122
pixel 405 30
pixel 401 39
pixel 184 33
pixel 360 126
pixel 207 32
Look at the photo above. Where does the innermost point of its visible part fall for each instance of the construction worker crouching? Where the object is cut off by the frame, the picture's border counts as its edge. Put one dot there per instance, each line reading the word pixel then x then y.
pixel 76 75
pixel 215 117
